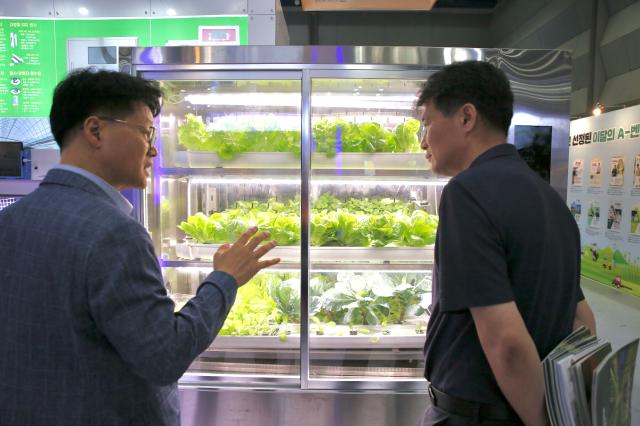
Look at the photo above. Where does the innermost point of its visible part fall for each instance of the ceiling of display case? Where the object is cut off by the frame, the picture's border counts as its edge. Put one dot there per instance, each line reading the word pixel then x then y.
pixel 378 93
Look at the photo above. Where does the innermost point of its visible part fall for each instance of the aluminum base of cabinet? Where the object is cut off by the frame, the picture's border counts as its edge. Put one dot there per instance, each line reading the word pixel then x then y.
pixel 248 407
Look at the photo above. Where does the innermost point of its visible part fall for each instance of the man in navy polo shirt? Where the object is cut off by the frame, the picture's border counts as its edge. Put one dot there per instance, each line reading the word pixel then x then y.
pixel 507 258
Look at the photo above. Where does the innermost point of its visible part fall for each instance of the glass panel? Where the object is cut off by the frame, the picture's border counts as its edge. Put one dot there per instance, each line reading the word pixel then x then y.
pixel 261 336
pixel 373 222
pixel 229 160
pixel 250 124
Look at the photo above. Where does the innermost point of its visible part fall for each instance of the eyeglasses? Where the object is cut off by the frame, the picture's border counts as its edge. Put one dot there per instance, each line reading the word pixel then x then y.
pixel 149 132
pixel 422 132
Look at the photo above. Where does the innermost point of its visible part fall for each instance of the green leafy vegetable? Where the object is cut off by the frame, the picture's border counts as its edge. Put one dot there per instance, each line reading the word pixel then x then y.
pixel 270 303
pixel 407 136
pixel 364 222
pixel 329 137
pixel 286 294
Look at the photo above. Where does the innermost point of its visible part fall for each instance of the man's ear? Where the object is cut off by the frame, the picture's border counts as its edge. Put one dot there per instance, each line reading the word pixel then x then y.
pixel 469 116
pixel 91 128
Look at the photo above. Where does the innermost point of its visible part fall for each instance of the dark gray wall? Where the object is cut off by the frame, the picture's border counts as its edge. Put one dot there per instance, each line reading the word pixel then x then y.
pixel 606 65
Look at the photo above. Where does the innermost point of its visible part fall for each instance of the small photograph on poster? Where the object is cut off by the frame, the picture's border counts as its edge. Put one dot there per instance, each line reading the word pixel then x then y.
pixel 576 173
pixel 614 216
pixel 636 173
pixel 576 209
pixel 635 220
pixel 593 214
pixel 595 174
pixel 617 171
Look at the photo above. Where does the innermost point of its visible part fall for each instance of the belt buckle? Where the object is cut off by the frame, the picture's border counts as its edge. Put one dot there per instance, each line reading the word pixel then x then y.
pixel 432 396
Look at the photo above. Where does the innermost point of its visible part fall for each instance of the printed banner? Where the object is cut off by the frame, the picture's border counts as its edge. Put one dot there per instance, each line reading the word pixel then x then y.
pixel 27 69
pixel 603 193
pixel 34 53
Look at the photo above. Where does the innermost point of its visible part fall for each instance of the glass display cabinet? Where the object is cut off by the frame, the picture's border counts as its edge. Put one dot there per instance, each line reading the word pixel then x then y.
pixel 319 146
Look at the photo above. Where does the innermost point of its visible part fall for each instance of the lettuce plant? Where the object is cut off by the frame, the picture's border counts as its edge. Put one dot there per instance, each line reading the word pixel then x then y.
pixel 329 137
pixel 352 223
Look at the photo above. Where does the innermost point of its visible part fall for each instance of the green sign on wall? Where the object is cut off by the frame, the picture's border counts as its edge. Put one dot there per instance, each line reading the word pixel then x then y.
pixel 164 30
pixel 27 67
pixel 33 52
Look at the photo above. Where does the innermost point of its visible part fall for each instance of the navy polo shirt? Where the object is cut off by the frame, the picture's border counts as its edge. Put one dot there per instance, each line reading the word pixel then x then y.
pixel 504 235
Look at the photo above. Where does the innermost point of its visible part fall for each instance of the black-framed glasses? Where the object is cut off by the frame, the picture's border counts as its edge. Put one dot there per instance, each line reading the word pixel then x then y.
pixel 149 132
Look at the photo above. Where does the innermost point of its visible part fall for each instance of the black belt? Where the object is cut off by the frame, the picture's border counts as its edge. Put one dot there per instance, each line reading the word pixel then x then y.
pixel 475 410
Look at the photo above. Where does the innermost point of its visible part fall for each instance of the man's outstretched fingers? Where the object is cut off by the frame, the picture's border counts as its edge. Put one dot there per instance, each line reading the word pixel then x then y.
pixel 269 262
pixel 246 235
pixel 257 240
pixel 264 249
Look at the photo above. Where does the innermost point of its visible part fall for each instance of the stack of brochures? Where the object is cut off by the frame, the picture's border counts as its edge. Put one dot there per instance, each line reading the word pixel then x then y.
pixel 587 384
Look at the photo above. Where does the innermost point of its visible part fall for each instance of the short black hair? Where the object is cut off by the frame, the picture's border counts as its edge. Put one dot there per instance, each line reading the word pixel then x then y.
pixel 89 92
pixel 476 82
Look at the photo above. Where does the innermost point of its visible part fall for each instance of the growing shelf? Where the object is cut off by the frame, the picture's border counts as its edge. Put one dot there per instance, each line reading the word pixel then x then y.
pixel 347 255
pixel 289 161
pixel 376 340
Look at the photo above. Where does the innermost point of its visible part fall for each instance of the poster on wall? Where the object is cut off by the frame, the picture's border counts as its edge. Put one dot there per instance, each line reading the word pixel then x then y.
pixel 35 54
pixel 27 70
pixel 605 201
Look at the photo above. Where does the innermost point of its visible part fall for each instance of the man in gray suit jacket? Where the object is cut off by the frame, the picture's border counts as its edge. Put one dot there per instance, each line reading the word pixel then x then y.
pixel 88 335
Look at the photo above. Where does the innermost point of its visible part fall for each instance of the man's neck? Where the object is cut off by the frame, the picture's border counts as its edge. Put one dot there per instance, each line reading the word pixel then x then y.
pixel 84 161
pixel 479 145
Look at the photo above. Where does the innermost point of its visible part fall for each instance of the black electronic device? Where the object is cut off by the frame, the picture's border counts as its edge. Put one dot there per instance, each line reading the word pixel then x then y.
pixel 11 159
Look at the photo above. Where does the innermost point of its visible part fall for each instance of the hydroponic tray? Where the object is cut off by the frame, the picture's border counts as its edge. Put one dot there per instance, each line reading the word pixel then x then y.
pixel 286 160
pixel 249 371
pixel 370 341
pixel 291 254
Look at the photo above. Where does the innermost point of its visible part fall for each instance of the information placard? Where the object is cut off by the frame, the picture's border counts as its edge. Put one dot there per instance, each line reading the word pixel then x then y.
pixel 603 193
pixel 27 68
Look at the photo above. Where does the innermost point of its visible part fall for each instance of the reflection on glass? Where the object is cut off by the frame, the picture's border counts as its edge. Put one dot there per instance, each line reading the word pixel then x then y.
pixel 373 221
pixel 197 204
pixel 221 123
pixel 261 335
pixel 355 117
pixel 368 324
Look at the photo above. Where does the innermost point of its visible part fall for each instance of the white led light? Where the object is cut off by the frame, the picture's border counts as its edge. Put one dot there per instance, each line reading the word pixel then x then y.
pixel 295 100
pixel 296 181
pixel 171 12
pixel 380 182
pixel 242 99
pixel 83 11
pixel 253 181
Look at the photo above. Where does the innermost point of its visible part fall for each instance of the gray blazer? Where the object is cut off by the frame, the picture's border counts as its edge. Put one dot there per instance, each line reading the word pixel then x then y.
pixel 88 335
